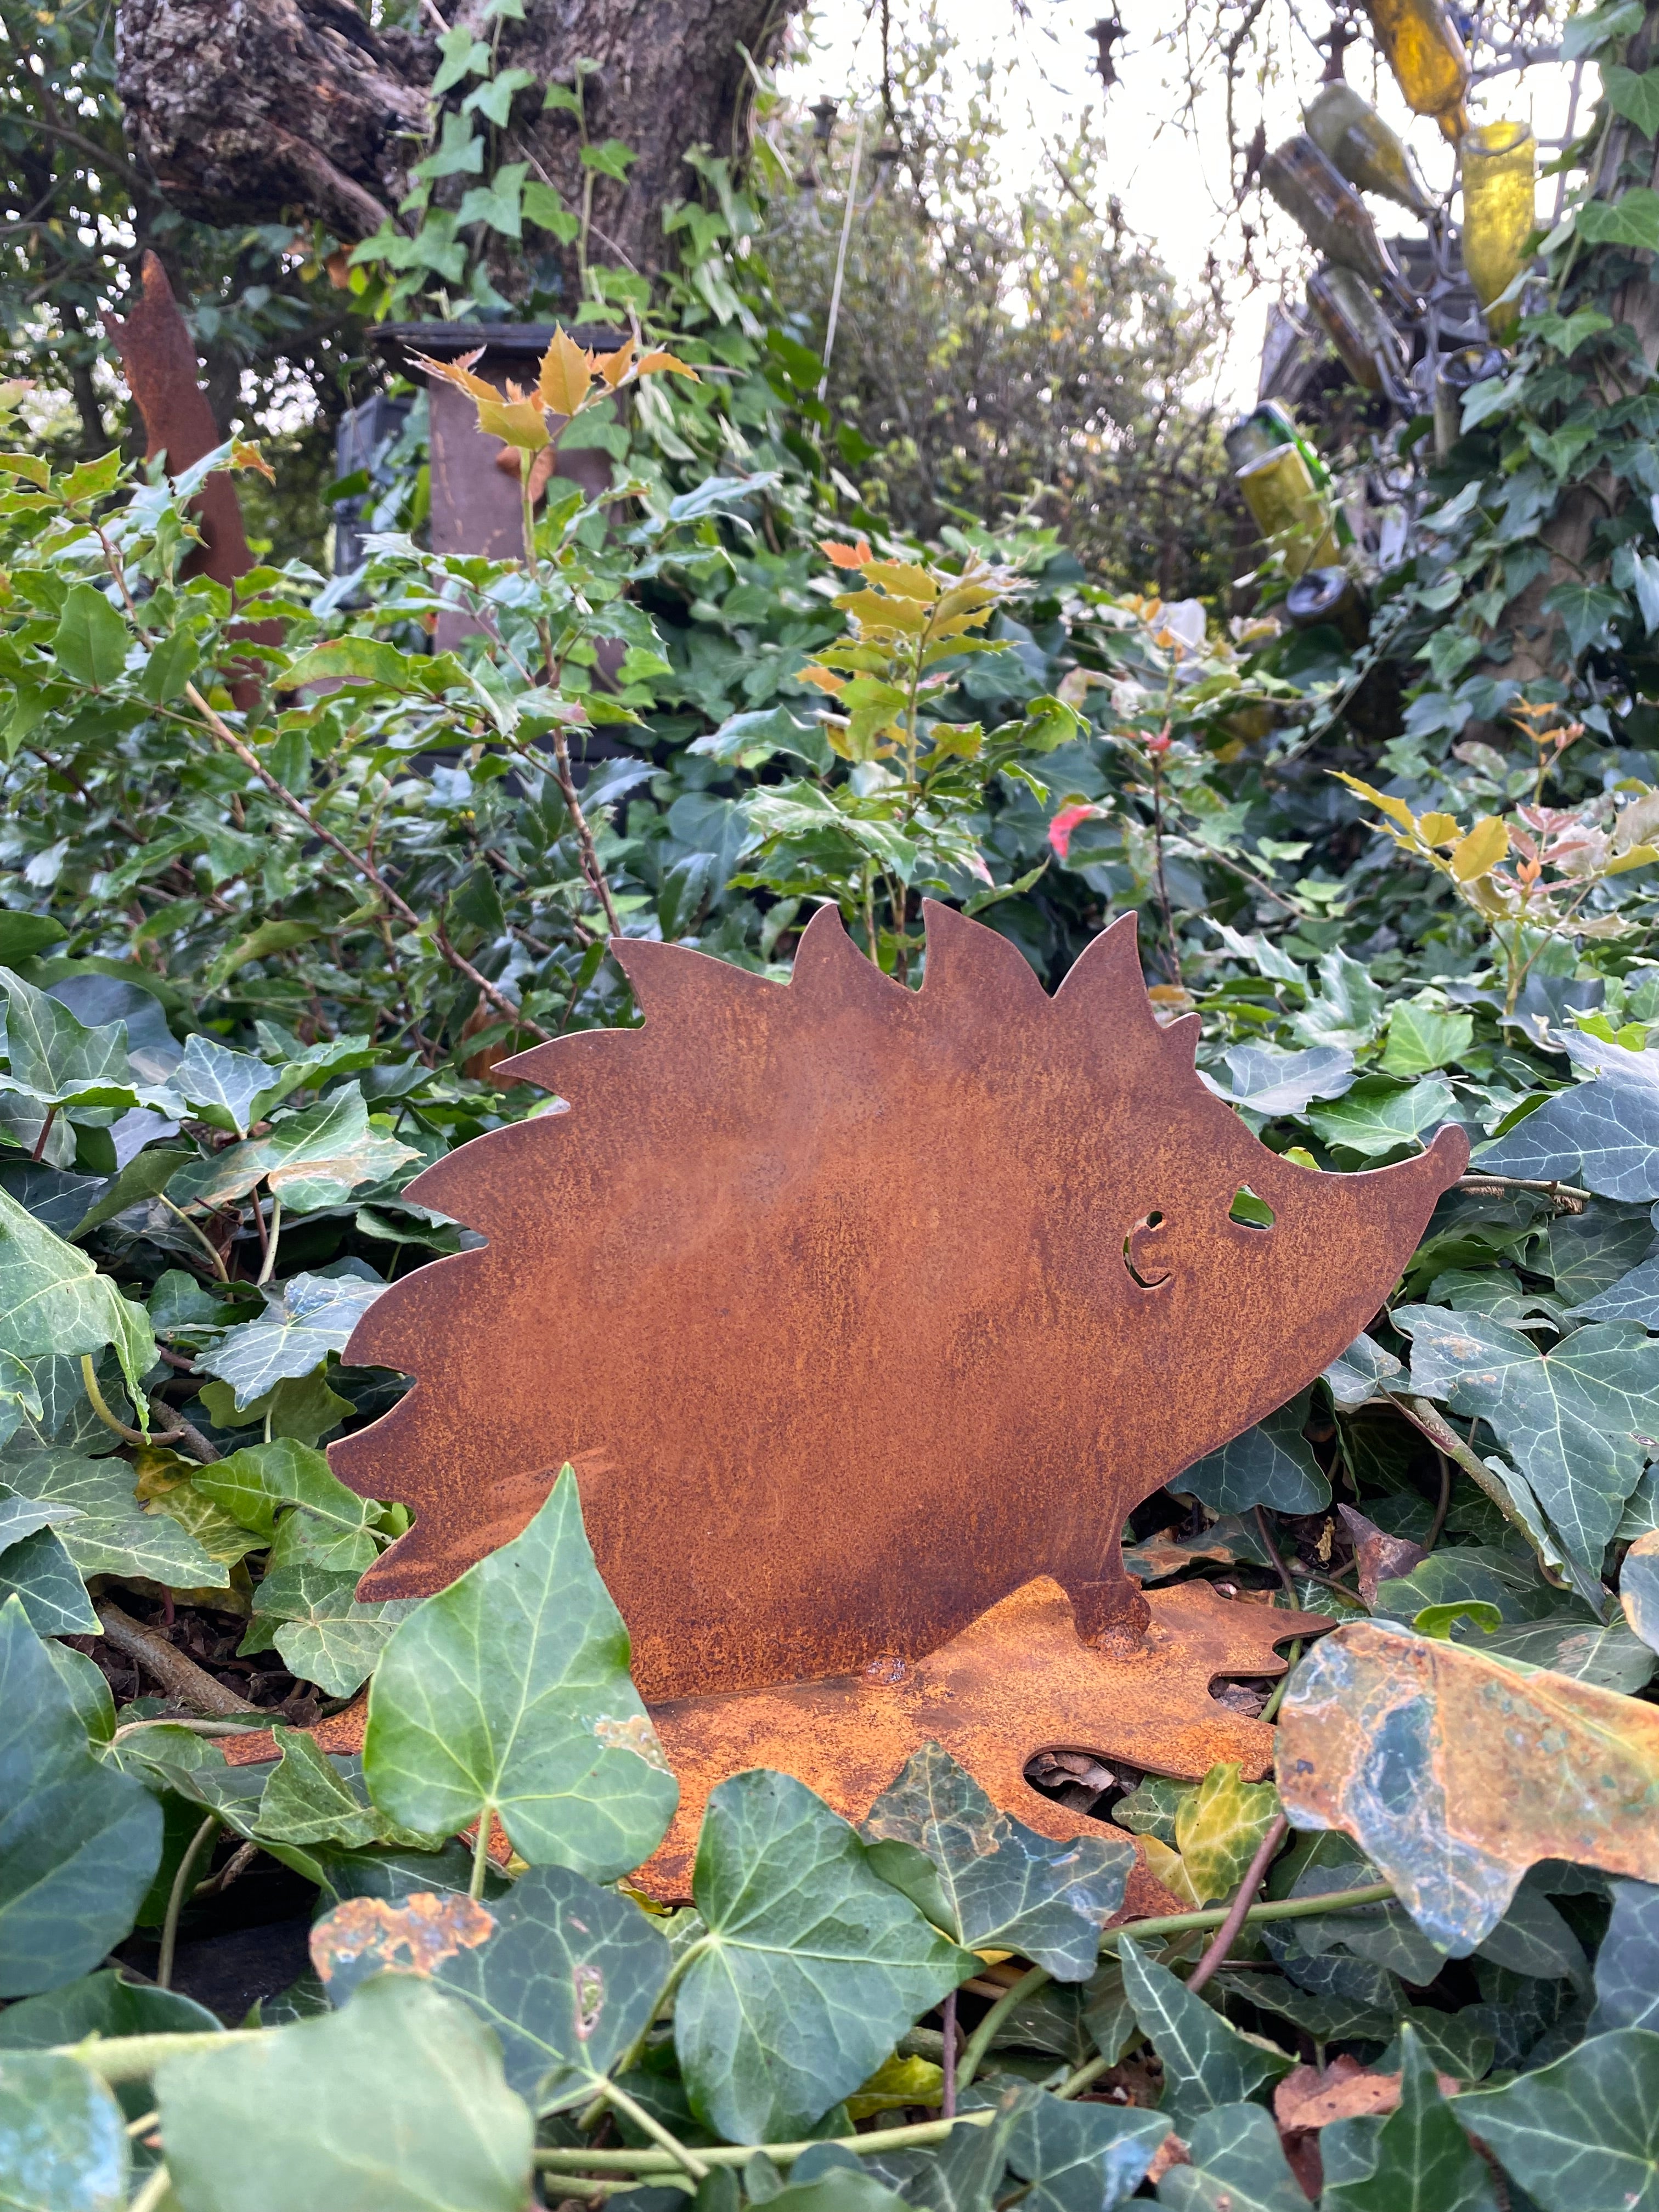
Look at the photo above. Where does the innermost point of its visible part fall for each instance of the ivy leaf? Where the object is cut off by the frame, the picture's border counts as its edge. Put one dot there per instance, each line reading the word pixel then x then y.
pixel 57 1058
pixel 1582 2134
pixel 310 1799
pixel 611 158
pixel 1236 2161
pixel 102 2004
pixel 1002 1886
pixel 326 1636
pixel 52 1300
pixel 1627 1963
pixel 1586 609
pixel 1272 1082
pixel 1082 2158
pixel 1603 1134
pixel 497 203
pixel 1577 1420
pixel 1359 1375
pixel 330 1525
pixel 1272 1464
pixel 310 1160
pixel 1608 1654
pixel 544 208
pixel 64 2143
pixel 91 641
pixel 1420 1039
pixel 405 2086
pixel 1631 220
pixel 228 1089
pixel 1378 1116
pixel 811 1968
pixel 1349 1009
pixel 1638 1587
pixel 508 1693
pixel 1218 1828
pixel 41 1575
pixel 79 1841
pixel 568 1976
pixel 463 56
pixel 1205 2063
pixel 1422 2156
pixel 965 2173
pixel 314 1315
pixel 112 1534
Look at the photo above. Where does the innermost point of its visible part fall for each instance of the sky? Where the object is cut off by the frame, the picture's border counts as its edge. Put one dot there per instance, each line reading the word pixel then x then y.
pixel 1174 188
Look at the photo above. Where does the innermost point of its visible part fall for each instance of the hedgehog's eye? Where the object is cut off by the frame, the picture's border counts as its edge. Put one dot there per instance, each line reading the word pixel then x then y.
pixel 1143 1228
pixel 1249 1210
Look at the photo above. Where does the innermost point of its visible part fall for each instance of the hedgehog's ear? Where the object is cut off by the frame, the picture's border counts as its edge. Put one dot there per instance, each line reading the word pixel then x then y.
pixel 829 965
pixel 1105 983
pixel 967 960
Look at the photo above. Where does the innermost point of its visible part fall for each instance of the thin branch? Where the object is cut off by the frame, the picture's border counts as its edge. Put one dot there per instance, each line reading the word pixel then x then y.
pixel 179 1675
pixel 1255 1875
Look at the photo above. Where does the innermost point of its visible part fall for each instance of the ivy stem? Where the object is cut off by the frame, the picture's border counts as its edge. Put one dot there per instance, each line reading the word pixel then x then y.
pixel 980 2041
pixel 1255 1875
pixel 181 1888
pixel 267 1266
pixel 157 2183
pixel 653 2127
pixel 948 2023
pixel 200 1234
pixel 916 2135
pixel 589 2118
pixel 1086 2076
pixel 1274 1555
pixel 45 1131
pixel 481 1851
pixel 1270 1710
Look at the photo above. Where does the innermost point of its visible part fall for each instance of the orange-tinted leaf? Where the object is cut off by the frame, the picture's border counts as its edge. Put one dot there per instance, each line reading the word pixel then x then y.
pixel 651 363
pixel 245 455
pixel 1455 1774
pixel 822 678
pixel 567 375
pixel 412 1938
pixel 613 367
pixel 847 556
pixel 457 373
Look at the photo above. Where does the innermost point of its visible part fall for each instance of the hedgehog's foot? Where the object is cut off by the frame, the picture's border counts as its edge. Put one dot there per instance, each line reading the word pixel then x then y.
pixel 1111 1616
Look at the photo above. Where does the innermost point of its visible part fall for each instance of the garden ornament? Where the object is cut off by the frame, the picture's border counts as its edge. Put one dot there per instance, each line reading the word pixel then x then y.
pixel 865 1317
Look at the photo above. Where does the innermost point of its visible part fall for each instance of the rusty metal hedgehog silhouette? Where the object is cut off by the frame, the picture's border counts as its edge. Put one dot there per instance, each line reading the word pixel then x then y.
pixel 857 1308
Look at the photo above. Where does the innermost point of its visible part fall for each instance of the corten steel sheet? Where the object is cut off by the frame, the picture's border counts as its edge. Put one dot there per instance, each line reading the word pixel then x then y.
pixel 158 355
pixel 1016 1682
pixel 1456 1774
pixel 855 1308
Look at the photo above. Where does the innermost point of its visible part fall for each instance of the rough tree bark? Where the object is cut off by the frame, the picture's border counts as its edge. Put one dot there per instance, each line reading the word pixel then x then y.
pixel 247 110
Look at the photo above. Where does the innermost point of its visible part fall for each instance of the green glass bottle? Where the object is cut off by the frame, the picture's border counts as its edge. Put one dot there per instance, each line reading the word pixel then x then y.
pixel 1362 334
pixel 1356 140
pixel 1332 215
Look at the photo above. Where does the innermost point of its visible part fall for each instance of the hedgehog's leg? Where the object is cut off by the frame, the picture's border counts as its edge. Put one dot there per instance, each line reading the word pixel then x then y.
pixel 1110 1615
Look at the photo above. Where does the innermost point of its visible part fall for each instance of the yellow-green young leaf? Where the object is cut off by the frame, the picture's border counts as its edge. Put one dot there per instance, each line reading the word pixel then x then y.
pixel 652 364
pixel 963 598
pixel 876 614
pixel 519 422
pixel 1639 856
pixel 896 2082
pixel 1395 809
pixel 1478 854
pixel 1439 828
pixel 30 466
pixel 567 375
pixel 1218 1829
pixel 909 582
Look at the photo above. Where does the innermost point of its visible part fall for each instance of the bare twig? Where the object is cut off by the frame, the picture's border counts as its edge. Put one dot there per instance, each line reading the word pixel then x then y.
pixel 180 1676
pixel 1255 1875
pixel 1272 1552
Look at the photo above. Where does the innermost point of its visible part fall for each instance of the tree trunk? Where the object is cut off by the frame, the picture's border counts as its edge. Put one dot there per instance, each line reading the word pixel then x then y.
pixel 299 107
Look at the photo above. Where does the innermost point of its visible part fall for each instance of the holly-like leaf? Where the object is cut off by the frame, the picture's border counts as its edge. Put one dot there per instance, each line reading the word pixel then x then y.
pixel 64 2144
pixel 405 2086
pixel 1002 1886
pixel 1236 2165
pixel 91 641
pixel 1378 1116
pixel 1272 1464
pixel 1206 2063
pixel 811 1968
pixel 314 1315
pixel 79 1841
pixel 568 1975
pixel 1577 1420
pixel 508 1693
pixel 1582 2134
pixel 1082 2158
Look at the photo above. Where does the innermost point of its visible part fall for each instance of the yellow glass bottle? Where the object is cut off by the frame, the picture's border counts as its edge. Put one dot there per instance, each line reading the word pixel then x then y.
pixel 1354 139
pixel 1287 509
pixel 1499 161
pixel 1430 61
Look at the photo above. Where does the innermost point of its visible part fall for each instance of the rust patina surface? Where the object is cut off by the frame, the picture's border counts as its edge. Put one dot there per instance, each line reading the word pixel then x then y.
pixel 856 1309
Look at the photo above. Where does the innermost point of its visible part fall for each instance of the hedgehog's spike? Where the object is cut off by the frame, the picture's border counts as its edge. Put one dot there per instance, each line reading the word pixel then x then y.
pixel 1105 981
pixel 968 960
pixel 829 965
pixel 672 983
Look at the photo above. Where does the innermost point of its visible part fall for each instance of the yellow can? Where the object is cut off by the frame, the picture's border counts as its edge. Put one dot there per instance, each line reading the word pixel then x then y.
pixel 1499 160
pixel 1288 510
